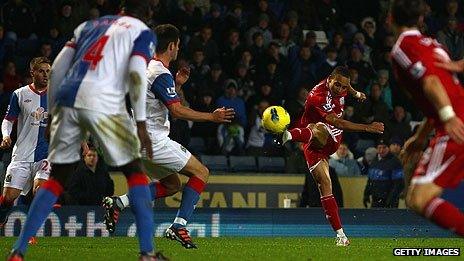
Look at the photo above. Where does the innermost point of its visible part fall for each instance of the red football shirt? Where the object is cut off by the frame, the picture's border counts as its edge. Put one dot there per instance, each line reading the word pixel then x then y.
pixel 321 103
pixel 413 58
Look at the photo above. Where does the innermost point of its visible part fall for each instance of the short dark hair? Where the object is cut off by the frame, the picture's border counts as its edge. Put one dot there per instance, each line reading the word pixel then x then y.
pixel 342 71
pixel 136 8
pixel 37 61
pixel 166 33
pixel 407 12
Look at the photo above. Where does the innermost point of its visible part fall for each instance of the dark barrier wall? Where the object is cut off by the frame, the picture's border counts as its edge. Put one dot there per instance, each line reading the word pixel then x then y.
pixel 87 221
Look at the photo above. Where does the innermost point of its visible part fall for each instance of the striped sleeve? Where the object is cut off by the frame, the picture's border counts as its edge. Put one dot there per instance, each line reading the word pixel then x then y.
pixel 13 110
pixel 145 44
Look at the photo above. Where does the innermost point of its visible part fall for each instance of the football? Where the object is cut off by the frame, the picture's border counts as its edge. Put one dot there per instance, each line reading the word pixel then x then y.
pixel 275 119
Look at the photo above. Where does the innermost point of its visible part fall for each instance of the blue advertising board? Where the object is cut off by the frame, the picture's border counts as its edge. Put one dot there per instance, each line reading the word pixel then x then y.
pixel 88 222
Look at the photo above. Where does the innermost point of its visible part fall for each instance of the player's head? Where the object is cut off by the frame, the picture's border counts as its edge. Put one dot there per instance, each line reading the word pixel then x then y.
pixel 339 80
pixel 408 13
pixel 137 8
pixel 40 71
pixel 168 40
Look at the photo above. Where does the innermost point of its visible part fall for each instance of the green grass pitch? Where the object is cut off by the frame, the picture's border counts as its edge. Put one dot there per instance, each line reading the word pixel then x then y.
pixel 229 248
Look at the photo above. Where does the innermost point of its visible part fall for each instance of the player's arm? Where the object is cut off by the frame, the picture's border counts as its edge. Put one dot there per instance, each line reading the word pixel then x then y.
pixel 452 66
pixel 360 96
pixel 374 127
pixel 11 116
pixel 221 115
pixel 435 92
pixel 142 52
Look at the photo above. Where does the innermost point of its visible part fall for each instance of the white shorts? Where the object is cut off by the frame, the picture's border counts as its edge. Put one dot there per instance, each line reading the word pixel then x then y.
pixel 21 175
pixel 170 155
pixel 116 135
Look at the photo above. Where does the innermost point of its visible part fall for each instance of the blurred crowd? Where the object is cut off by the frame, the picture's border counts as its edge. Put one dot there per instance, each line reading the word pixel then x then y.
pixel 249 55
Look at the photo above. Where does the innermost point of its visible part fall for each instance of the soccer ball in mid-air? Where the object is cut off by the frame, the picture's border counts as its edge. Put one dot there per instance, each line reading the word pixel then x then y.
pixel 275 119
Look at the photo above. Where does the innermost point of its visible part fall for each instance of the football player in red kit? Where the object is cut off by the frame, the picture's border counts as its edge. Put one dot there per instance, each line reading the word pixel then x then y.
pixel 322 135
pixel 439 95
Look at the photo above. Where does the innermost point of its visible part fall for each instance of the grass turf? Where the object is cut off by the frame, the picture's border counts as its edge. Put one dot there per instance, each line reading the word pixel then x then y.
pixel 227 248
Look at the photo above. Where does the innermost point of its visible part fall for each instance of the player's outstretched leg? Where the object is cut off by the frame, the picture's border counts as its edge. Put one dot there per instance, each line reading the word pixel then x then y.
pixel 425 200
pixel 41 206
pixel 198 174
pixel 159 189
pixel 329 204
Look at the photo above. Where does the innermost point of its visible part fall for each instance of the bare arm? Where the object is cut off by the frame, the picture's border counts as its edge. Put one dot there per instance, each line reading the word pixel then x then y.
pixel 220 115
pixel 435 92
pixel 375 127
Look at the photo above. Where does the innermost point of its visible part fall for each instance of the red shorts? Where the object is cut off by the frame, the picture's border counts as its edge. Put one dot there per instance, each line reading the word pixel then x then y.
pixel 442 164
pixel 313 156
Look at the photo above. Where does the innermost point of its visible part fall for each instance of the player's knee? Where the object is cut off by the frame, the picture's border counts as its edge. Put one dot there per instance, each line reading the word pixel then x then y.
pixel 320 135
pixel 173 187
pixel 416 202
pixel 10 196
pixel 203 173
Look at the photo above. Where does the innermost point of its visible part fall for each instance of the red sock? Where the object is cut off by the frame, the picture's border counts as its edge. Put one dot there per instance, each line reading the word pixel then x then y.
pixel 160 190
pixel 331 211
pixel 301 134
pixel 444 214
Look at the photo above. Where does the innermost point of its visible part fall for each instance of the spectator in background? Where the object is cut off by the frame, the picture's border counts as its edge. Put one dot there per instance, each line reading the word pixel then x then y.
pixel 295 106
pixel 265 92
pixel 214 81
pixel 369 28
pixel 199 69
pixel 11 78
pixel 46 51
pixel 451 11
pixel 94 13
pixel 385 91
pixel 56 40
pixel 365 70
pixel 231 51
pixel 399 124
pixel 274 77
pixel 235 19
pixel 296 33
pixel 303 69
pixel 452 39
pixel 373 109
pixel 91 182
pixel 248 60
pixel 285 41
pixel 19 20
pixel 395 146
pixel 244 82
pixel 343 162
pixel 3 49
pixel 329 64
pixel 205 42
pixel 262 27
pixel 206 130
pixel 259 142
pixel 216 21
pixel 385 181
pixel 231 138
pixel 310 40
pixel 338 43
pixel 360 41
pixel 231 100
pixel 257 48
pixel 366 160
pixel 66 21
pixel 273 56
pixel 189 18
pixel 263 9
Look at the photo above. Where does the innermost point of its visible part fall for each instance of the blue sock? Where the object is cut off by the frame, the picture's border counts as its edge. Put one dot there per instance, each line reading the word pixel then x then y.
pixel 190 197
pixel 40 208
pixel 141 205
pixel 152 187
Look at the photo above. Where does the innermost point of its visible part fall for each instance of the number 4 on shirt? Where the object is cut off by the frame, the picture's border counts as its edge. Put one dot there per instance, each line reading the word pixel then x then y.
pixel 94 53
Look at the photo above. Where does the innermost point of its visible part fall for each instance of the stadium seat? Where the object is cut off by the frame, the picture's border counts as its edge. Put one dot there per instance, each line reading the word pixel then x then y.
pixel 197 145
pixel 217 163
pixel 271 164
pixel 246 163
